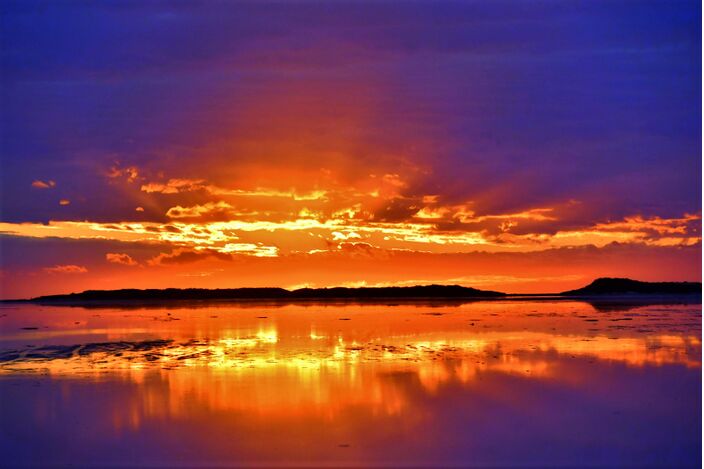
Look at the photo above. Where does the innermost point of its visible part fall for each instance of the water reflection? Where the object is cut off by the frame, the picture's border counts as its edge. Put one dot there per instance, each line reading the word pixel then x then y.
pixel 481 383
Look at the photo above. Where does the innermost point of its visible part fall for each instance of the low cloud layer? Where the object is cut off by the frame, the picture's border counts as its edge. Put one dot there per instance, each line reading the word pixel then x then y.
pixel 66 269
pixel 117 258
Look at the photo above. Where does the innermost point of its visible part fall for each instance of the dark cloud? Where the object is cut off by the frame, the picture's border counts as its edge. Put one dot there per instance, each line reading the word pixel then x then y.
pixel 397 210
pixel 185 256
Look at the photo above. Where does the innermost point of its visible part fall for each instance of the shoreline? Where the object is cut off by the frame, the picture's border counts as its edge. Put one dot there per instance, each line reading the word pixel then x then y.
pixel 390 300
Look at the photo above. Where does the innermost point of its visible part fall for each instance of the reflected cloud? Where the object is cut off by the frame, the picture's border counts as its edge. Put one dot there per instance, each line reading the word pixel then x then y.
pixel 323 359
pixel 353 366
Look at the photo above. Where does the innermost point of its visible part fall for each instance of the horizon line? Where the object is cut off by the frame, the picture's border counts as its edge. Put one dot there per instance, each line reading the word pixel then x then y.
pixel 479 293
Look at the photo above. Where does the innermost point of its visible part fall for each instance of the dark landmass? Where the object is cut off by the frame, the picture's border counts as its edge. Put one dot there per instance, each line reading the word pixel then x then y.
pixel 199 294
pixel 607 289
pixel 626 286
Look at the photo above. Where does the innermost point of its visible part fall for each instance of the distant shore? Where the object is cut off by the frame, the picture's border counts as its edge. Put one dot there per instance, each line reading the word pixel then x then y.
pixel 603 289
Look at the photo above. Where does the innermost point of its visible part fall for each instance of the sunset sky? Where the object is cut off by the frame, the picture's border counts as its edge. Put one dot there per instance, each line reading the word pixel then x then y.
pixel 517 146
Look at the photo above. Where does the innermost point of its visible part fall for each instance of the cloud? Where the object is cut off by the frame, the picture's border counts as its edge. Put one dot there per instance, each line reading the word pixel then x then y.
pixel 185 256
pixel 219 209
pixel 553 269
pixel 398 209
pixel 224 253
pixel 266 238
pixel 339 235
pixel 362 249
pixel 394 180
pixel 264 192
pixel 43 185
pixel 66 269
pixel 251 249
pixel 464 217
pixel 118 258
pixel 131 173
pixel 174 186
pixel 64 202
pixel 654 226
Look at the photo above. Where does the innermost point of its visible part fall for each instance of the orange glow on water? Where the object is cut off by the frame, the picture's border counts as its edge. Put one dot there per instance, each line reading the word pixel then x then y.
pixel 323 359
pixel 332 382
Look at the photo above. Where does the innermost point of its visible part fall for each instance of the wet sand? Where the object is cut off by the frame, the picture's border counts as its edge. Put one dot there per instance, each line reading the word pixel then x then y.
pixel 484 383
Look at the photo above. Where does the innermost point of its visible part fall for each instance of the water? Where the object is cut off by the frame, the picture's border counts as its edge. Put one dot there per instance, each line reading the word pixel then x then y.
pixel 487 383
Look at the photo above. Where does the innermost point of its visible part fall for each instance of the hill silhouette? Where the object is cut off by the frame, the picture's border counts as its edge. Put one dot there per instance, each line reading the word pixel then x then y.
pixel 626 286
pixel 338 293
pixel 601 287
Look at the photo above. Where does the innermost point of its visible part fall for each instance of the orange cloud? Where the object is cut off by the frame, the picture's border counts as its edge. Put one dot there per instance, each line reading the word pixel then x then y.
pixel 660 226
pixel 64 202
pixel 219 209
pixel 43 185
pixel 464 214
pixel 130 173
pixel 307 233
pixel 251 249
pixel 66 269
pixel 174 186
pixel 118 258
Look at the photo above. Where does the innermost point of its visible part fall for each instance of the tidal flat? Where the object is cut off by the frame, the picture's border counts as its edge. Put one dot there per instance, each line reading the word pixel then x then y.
pixel 485 383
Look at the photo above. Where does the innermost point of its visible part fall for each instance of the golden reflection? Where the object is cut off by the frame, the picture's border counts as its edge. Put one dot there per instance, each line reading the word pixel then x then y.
pixel 297 360
pixel 487 350
pixel 253 375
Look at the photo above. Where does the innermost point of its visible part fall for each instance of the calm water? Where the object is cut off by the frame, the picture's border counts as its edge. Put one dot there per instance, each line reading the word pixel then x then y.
pixel 488 383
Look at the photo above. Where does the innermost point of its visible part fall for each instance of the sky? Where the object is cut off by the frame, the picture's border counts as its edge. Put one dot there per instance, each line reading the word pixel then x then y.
pixel 516 146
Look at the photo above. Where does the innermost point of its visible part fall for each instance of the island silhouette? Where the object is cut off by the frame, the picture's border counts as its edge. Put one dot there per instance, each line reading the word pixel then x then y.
pixel 627 286
pixel 601 287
